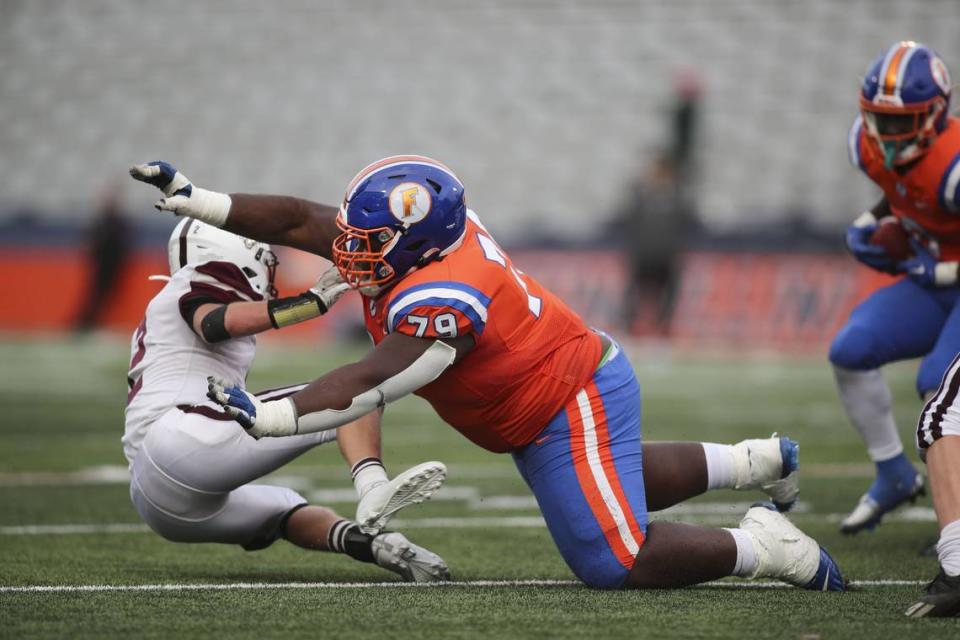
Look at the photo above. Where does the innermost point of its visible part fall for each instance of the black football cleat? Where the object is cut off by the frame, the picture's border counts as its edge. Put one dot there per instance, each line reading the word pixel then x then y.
pixel 941 600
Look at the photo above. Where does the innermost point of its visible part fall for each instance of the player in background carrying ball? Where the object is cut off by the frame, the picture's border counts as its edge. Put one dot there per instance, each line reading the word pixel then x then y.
pixel 905 141
pixel 511 367
pixel 938 440
pixel 192 466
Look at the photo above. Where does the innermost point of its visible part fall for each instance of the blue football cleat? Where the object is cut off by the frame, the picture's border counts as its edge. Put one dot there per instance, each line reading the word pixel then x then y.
pixel 786 491
pixel 892 488
pixel 828 576
pixel 770 465
pixel 786 553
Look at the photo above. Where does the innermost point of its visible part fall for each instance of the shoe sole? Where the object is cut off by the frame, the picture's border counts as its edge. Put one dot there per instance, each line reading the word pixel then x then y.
pixel 920 610
pixel 923 609
pixel 418 488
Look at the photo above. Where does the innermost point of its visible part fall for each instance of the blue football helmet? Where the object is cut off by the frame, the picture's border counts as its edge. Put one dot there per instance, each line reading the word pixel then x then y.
pixel 398 214
pixel 904 101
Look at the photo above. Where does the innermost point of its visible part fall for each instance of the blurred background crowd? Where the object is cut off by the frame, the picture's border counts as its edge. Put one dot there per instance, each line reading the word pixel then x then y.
pixel 676 170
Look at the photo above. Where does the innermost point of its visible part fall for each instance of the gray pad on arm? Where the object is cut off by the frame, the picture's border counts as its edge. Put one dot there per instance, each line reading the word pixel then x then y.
pixel 422 371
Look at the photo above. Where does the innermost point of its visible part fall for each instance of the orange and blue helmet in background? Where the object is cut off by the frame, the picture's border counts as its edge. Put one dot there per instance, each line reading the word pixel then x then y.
pixel 398 214
pixel 904 101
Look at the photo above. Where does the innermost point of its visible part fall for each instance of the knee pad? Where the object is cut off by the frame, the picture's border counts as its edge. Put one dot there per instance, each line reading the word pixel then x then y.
pixel 856 348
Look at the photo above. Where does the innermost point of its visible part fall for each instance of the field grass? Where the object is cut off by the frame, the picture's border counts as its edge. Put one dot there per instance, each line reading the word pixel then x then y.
pixel 75 562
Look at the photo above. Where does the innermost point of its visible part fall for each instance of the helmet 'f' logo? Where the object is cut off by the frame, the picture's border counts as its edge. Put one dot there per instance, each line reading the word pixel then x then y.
pixel 410 202
pixel 940 74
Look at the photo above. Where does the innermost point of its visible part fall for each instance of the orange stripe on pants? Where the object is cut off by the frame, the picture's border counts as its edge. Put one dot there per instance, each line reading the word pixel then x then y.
pixel 606 458
pixel 588 483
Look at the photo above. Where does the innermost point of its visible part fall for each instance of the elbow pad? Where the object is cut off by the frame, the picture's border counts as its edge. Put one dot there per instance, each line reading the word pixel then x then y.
pixel 422 371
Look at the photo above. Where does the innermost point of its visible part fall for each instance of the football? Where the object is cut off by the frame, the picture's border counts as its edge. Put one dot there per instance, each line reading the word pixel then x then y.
pixel 894 239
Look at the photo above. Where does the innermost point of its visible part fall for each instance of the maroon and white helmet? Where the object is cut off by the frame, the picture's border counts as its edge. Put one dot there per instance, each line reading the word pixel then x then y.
pixel 195 242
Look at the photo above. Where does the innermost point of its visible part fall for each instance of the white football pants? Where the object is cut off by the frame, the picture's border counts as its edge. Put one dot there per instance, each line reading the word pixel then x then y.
pixel 189 481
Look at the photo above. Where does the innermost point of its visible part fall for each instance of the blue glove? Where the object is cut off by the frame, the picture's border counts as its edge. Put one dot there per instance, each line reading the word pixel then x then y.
pixel 922 267
pixel 872 255
pixel 163 176
pixel 259 418
pixel 237 403
pixel 181 196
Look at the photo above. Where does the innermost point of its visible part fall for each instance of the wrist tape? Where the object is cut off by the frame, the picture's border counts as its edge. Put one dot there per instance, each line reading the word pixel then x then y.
pixel 211 207
pixel 291 310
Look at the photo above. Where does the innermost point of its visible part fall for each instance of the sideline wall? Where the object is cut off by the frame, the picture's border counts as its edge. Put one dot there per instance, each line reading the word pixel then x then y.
pixel 743 300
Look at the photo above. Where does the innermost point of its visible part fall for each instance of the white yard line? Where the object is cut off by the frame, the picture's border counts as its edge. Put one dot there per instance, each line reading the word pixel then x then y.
pixel 106 474
pixel 711 513
pixel 258 586
pixel 69 529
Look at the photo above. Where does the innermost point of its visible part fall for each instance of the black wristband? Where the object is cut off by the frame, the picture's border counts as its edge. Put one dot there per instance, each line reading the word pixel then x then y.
pixel 294 309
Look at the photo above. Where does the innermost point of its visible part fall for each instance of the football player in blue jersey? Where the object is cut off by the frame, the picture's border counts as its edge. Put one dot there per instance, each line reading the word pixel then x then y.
pixel 512 368
pixel 905 141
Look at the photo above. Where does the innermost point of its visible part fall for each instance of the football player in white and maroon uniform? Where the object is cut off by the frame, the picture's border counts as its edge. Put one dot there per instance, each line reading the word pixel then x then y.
pixel 192 467
pixel 938 440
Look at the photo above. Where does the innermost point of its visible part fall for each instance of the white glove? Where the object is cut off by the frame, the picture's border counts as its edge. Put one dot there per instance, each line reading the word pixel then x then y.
pixel 329 287
pixel 182 197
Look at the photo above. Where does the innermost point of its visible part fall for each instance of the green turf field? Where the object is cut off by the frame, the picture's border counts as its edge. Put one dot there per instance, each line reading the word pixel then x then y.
pixel 66 521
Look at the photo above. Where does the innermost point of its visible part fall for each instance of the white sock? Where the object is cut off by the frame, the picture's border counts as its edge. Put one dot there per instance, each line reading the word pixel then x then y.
pixel 721 473
pixel 948 548
pixel 746 554
pixel 368 474
pixel 866 399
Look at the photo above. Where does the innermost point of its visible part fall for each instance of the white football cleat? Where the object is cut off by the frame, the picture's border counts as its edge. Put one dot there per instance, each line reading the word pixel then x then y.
pixel 771 465
pixel 413 486
pixel 786 553
pixel 413 563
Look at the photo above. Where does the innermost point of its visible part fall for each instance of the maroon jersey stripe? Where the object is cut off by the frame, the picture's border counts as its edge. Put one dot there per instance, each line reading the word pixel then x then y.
pixel 230 275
